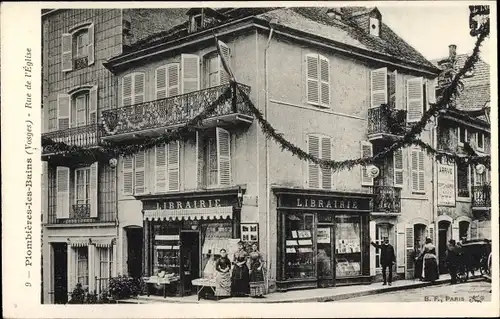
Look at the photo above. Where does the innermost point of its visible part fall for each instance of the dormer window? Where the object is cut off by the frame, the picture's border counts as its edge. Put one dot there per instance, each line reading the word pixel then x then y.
pixel 200 18
pixel 375 27
pixel 196 23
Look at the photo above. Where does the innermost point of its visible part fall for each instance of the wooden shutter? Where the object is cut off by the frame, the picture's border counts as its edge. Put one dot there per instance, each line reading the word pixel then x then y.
pixel 93 95
pixel 373 233
pixel 414 170
pixel 94 185
pixel 140 173
pixel 63 111
pixel 378 87
pixel 414 99
pixel 324 66
pixel 160 168
pixel 173 166
pixel 223 156
pixel 62 189
pixel 223 75
pixel 190 73
pixel 91 46
pixel 431 233
pixel 410 242
pixel 400 247
pixel 397 157
pixel 326 154
pixel 421 171
pixel 139 84
pixel 366 151
pixel 161 82
pixel 128 175
pixel 200 160
pixel 312 78
pixel 313 168
pixel 66 52
pixel 127 90
pixel 173 79
pixel 392 89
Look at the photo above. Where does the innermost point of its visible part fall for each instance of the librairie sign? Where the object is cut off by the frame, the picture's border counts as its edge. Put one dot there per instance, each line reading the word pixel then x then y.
pixel 338 203
pixel 192 203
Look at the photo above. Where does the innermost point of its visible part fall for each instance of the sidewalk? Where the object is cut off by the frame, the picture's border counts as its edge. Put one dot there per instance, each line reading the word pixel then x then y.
pixel 306 295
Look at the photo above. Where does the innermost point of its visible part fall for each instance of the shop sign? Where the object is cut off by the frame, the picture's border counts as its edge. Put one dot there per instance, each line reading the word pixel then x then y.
pixel 446 185
pixel 189 203
pixel 353 204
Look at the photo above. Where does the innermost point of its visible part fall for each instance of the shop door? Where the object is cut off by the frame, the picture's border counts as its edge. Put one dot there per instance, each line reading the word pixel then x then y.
pixel 190 259
pixel 324 260
pixel 134 252
pixel 60 264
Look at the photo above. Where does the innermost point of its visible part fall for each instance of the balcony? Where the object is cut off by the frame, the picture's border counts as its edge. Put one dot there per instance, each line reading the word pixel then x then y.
pixel 481 196
pixel 152 118
pixel 83 136
pixel 80 214
pixel 385 123
pixel 387 199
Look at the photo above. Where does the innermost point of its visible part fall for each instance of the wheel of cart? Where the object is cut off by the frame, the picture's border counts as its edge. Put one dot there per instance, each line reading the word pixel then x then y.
pixel 476 255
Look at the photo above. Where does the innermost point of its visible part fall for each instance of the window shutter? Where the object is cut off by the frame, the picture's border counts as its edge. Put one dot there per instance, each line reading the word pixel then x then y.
pixel 66 52
pixel 200 162
pixel 173 79
pixel 223 156
pixel 398 167
pixel 312 78
pixel 366 151
pixel 127 90
pixel 173 166
pixel 139 79
pixel 414 99
pixel 140 173
pixel 94 173
pixel 430 232
pixel 128 175
pixel 414 170
pixel 93 94
pixel 63 109
pixel 400 247
pixel 325 80
pixel 190 73
pixel 161 82
pixel 313 168
pixel 91 46
pixel 223 75
pixel 160 168
pixel 410 242
pixel 62 189
pixel 391 89
pixel 373 234
pixel 421 174
pixel 378 87
pixel 326 154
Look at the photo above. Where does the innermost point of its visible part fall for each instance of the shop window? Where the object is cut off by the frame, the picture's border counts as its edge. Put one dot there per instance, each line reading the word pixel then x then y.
pixel 299 253
pixel 213 158
pixel 82 266
pixel 463 180
pixel 348 245
pixel 382 231
pixel 77 48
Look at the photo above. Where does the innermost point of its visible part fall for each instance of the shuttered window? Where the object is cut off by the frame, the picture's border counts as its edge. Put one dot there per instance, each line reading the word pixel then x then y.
pixel 133 89
pixel 128 175
pixel 78 48
pixel 317 79
pixel 378 80
pixel 366 151
pixel 167 167
pixel 417 171
pixel 62 189
pixel 167 81
pixel 223 156
pixel 414 99
pixel 190 73
pixel 140 183
pixel 213 158
pixel 319 146
pixel 398 167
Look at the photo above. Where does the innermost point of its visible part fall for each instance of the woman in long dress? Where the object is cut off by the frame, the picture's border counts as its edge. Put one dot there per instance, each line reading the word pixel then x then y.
pixel 241 279
pixel 257 284
pixel 223 278
pixel 431 272
pixel 209 272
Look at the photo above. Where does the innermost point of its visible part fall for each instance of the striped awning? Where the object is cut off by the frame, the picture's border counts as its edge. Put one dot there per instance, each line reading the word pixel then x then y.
pixel 98 242
pixel 221 212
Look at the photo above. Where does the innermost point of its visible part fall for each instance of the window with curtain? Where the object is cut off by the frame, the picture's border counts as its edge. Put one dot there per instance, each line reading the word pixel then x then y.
pixel 82 264
pixel 212 70
pixel 82 185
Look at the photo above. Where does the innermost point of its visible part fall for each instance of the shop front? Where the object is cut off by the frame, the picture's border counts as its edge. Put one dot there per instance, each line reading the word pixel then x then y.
pixel 323 239
pixel 181 232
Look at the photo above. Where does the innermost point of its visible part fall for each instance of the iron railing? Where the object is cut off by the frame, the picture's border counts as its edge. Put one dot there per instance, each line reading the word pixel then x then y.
pixel 481 196
pixel 80 211
pixel 384 119
pixel 387 199
pixel 83 136
pixel 173 110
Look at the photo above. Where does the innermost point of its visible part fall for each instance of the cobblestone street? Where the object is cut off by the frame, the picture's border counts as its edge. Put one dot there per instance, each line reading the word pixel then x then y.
pixel 468 292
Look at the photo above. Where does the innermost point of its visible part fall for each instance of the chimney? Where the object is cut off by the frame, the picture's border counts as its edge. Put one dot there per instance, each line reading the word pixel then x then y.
pixel 452 50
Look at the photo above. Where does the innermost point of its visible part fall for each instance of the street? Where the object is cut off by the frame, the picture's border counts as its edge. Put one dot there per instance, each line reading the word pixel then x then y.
pixel 469 292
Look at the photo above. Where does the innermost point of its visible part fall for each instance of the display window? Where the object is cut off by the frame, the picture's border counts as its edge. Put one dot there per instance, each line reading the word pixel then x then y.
pixel 348 245
pixel 299 249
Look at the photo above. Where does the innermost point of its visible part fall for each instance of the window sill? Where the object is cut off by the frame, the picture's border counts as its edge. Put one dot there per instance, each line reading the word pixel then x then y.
pixel 418 193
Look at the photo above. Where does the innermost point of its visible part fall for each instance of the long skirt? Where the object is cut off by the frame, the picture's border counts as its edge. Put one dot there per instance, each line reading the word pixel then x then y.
pixel 257 283
pixel 431 272
pixel 240 281
pixel 419 265
pixel 223 284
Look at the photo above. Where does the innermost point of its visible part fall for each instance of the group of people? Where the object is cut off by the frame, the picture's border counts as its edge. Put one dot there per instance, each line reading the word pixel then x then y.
pixel 244 276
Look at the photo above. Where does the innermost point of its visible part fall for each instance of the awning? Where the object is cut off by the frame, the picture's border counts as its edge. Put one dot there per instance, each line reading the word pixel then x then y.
pixel 98 242
pixel 222 212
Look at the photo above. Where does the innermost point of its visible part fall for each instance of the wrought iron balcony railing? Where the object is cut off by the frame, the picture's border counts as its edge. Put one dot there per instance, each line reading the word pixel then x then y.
pixel 84 136
pixel 172 111
pixel 386 120
pixel 481 196
pixel 387 199
pixel 80 211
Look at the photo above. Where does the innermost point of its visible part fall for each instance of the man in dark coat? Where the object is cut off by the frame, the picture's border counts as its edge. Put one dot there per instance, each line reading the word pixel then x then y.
pixel 452 260
pixel 387 259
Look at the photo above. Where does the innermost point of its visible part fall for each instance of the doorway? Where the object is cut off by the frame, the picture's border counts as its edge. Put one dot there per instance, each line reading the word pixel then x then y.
pixel 419 237
pixel 190 257
pixel 60 268
pixel 134 252
pixel 324 260
pixel 443 237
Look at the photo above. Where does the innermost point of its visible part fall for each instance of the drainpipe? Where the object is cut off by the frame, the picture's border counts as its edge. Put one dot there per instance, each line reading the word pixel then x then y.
pixel 268 188
pixel 117 223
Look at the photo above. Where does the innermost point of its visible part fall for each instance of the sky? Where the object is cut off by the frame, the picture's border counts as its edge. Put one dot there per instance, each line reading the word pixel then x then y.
pixel 431 30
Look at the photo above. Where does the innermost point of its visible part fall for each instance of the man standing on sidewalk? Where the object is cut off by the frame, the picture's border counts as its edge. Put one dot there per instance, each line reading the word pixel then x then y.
pixel 452 260
pixel 387 259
